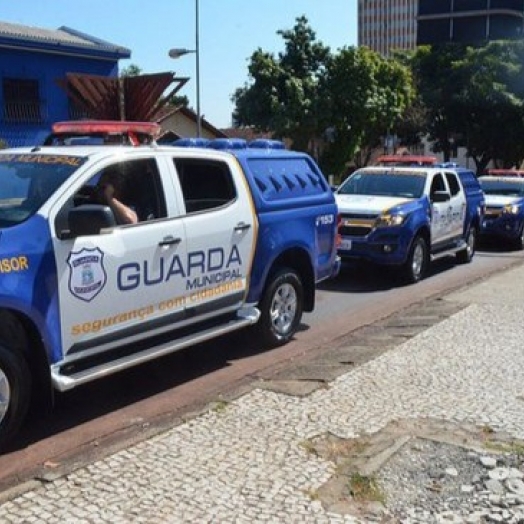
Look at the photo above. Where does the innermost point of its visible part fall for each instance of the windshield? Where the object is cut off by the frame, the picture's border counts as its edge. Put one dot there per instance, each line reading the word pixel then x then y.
pixel 379 183
pixel 503 187
pixel 27 180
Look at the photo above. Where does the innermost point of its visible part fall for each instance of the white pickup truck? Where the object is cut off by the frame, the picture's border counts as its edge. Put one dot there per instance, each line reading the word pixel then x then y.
pixel 224 240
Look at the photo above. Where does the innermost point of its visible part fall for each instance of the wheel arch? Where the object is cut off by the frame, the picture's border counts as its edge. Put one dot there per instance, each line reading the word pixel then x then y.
pixel 299 260
pixel 425 233
pixel 36 358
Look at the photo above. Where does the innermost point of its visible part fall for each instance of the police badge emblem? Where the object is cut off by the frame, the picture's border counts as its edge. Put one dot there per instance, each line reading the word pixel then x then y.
pixel 87 276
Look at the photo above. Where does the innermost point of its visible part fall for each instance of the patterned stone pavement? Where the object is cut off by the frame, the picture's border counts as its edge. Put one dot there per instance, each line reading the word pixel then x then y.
pixel 248 461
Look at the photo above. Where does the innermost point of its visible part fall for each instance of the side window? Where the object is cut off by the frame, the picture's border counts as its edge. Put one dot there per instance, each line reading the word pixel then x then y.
pixel 206 184
pixel 437 184
pixel 136 184
pixel 454 186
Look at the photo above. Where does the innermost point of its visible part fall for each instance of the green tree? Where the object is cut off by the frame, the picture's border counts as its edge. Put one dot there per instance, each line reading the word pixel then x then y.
pixel 281 94
pixel 131 70
pixel 362 99
pixel 473 97
pixel 437 82
pixel 491 103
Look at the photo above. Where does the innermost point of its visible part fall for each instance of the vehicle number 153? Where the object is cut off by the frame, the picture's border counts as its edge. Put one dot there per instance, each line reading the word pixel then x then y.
pixel 325 220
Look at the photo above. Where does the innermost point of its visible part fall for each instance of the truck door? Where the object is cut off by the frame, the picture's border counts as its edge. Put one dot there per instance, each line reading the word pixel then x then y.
pixel 126 280
pixel 440 211
pixel 221 228
pixel 458 205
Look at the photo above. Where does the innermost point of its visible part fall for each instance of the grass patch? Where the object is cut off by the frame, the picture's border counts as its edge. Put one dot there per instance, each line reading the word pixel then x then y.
pixel 364 489
pixel 514 448
pixel 220 406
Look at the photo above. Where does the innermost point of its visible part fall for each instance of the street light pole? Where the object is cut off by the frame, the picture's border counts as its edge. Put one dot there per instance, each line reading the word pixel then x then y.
pixel 178 52
pixel 197 56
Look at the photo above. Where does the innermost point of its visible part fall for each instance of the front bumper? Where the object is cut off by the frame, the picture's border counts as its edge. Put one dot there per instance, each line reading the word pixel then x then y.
pixel 508 227
pixel 382 246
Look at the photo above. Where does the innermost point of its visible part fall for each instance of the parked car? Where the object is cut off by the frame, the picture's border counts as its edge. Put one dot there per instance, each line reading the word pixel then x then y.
pixel 504 217
pixel 406 216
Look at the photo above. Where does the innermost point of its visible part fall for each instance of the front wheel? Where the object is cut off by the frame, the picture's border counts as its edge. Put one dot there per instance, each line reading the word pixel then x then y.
pixel 15 392
pixel 466 255
pixel 415 267
pixel 519 242
pixel 280 308
pixel 15 378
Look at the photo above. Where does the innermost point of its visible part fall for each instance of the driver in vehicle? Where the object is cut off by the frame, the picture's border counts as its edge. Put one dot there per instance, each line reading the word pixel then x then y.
pixel 109 192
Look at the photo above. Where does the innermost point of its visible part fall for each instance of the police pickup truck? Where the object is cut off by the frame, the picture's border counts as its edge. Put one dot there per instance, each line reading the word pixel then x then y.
pixel 504 217
pixel 223 240
pixel 406 217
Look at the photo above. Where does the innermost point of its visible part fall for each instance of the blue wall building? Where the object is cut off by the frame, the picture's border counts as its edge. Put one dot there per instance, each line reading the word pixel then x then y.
pixel 33 62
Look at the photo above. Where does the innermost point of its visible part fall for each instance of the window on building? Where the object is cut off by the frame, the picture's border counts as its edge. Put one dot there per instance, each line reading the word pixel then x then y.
pixel 21 101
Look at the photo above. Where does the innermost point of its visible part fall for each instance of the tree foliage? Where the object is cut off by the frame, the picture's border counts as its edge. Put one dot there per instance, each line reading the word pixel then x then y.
pixel 363 98
pixel 282 94
pixel 346 100
pixel 349 101
pixel 474 98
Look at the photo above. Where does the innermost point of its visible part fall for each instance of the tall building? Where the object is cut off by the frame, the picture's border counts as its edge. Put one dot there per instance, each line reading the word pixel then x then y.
pixel 385 25
pixel 469 21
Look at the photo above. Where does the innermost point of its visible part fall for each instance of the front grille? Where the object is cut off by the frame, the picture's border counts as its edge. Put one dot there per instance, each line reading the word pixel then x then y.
pixel 492 212
pixel 355 231
pixel 356 225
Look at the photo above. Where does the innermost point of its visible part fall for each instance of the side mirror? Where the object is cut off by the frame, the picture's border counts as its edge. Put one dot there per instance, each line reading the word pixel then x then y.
pixel 88 219
pixel 440 196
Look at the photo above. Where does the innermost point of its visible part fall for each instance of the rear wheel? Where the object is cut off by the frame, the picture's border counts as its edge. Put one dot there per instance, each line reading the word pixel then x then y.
pixel 466 255
pixel 280 308
pixel 416 265
pixel 15 378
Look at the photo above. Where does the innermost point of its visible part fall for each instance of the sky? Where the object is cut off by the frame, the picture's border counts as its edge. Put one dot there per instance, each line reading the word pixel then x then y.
pixel 229 32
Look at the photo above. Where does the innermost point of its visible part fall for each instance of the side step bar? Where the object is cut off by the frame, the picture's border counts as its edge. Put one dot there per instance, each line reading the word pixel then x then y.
pixel 449 251
pixel 63 382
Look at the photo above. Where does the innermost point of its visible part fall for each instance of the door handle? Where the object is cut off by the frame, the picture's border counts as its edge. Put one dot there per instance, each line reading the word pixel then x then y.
pixel 242 226
pixel 170 241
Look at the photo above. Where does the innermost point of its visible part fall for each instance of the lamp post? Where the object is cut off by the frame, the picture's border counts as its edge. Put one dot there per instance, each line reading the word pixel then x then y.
pixel 178 52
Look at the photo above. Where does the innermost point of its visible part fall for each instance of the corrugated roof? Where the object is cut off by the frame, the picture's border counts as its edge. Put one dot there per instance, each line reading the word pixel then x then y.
pixel 61 36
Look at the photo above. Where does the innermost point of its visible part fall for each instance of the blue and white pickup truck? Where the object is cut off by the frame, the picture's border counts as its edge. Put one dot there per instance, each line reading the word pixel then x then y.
pixel 504 218
pixel 224 240
pixel 407 216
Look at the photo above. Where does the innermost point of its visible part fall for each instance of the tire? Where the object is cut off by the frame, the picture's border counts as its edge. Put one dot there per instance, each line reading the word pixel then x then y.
pixel 466 255
pixel 280 308
pixel 416 265
pixel 519 242
pixel 15 378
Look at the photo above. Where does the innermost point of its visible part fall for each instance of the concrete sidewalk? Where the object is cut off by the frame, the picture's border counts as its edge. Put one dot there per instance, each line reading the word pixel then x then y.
pixel 257 458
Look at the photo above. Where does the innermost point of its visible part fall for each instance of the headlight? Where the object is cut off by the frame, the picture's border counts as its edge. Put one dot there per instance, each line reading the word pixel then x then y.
pixel 511 209
pixel 387 220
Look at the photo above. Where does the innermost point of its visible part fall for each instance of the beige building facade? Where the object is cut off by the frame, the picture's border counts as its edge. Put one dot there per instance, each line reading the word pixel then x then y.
pixel 386 25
